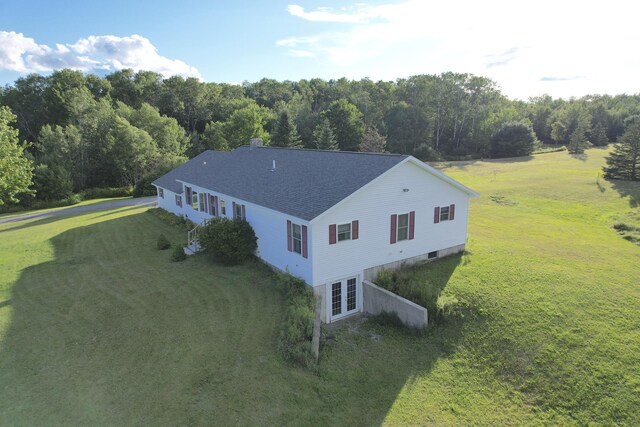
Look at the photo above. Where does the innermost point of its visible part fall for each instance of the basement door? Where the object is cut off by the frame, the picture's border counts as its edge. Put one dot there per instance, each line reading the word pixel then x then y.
pixel 344 297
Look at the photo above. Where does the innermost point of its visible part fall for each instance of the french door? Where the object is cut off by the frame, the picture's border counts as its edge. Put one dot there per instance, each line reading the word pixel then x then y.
pixel 344 297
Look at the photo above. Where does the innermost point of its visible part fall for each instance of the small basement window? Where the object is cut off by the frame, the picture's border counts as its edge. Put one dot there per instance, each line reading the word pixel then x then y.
pixel 432 255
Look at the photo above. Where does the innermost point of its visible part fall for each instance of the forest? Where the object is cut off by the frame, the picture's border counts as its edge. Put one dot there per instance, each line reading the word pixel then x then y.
pixel 81 131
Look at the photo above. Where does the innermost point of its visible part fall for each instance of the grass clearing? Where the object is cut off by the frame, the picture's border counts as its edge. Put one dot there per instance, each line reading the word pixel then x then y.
pixel 98 327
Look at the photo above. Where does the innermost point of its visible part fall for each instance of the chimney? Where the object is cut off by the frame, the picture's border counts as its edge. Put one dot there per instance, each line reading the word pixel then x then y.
pixel 255 142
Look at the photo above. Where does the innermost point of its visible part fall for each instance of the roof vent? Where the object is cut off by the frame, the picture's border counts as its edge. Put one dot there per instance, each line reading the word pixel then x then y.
pixel 273 168
pixel 255 142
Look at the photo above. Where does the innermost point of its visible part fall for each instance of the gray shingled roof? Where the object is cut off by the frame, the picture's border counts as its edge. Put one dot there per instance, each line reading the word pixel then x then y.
pixel 304 184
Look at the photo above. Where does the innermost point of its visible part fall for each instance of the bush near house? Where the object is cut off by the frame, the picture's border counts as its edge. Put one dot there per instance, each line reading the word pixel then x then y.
pixel 163 243
pixel 294 340
pixel 230 241
pixel 172 219
pixel 178 254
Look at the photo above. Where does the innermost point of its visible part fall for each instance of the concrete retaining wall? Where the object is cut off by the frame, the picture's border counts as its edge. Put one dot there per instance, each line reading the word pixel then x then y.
pixel 377 300
pixel 371 273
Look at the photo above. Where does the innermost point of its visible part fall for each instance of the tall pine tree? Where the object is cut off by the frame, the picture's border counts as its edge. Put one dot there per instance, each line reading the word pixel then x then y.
pixel 323 136
pixel 624 161
pixel 285 133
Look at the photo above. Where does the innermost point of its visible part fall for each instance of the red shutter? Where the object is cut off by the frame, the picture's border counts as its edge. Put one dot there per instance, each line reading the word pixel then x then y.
pixel 304 242
pixel 206 202
pixel 187 195
pixel 394 224
pixel 333 233
pixel 234 209
pixel 354 230
pixel 452 210
pixel 244 213
pixel 412 224
pixel 289 239
pixel 215 203
pixel 436 215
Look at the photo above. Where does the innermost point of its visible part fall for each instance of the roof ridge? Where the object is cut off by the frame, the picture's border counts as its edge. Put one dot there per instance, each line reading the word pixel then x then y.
pixel 323 151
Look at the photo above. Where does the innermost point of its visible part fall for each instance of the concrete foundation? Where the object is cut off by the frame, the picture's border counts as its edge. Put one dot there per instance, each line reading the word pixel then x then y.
pixel 370 274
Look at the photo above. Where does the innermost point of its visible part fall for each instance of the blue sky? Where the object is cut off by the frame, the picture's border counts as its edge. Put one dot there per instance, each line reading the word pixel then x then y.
pixel 564 48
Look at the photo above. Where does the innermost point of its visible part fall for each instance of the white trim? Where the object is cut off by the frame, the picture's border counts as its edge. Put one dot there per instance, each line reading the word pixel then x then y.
pixel 328 295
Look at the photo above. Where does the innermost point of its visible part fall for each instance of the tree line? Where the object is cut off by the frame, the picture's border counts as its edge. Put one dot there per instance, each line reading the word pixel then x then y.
pixel 83 131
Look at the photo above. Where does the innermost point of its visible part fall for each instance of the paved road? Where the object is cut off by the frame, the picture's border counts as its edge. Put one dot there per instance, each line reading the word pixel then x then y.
pixel 111 204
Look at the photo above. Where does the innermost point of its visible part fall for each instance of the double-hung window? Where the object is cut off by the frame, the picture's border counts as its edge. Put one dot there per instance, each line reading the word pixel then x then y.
pixel 194 200
pixel 161 193
pixel 223 208
pixel 296 238
pixel 178 200
pixel 402 227
pixel 444 213
pixel 344 232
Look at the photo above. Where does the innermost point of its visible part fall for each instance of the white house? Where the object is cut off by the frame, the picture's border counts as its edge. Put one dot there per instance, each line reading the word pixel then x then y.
pixel 331 218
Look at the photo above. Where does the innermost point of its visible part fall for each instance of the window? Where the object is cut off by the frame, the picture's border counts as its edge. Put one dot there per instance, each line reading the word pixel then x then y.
pixel 161 193
pixel 444 213
pixel 202 202
pixel 296 236
pixel 187 194
pixel 339 233
pixel 212 204
pixel 194 199
pixel 178 200
pixel 223 208
pixel 297 239
pixel 344 232
pixel 238 211
pixel 402 227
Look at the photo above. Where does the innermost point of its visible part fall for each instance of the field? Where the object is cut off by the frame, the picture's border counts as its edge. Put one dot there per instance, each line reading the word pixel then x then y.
pixel 97 327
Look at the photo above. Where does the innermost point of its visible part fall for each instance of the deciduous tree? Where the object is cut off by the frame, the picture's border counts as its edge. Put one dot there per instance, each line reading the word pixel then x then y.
pixel 16 170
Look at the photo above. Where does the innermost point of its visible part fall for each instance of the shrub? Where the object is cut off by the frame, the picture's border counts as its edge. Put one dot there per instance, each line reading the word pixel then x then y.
pixel 623 226
pixel 178 254
pixel 513 140
pixel 163 243
pixel 230 241
pixel 106 192
pixel 294 340
pixel 171 219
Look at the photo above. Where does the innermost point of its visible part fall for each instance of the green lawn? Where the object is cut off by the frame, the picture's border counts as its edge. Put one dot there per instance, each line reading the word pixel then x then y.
pixel 99 328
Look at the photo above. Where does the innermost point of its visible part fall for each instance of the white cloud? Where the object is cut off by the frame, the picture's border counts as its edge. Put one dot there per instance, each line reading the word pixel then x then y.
pixel 359 15
pixel 517 44
pixel 94 53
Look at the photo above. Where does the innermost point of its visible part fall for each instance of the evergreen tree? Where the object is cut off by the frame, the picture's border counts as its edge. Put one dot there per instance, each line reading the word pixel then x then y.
pixel 624 161
pixel 285 133
pixel 372 141
pixel 323 137
pixel 578 141
pixel 599 135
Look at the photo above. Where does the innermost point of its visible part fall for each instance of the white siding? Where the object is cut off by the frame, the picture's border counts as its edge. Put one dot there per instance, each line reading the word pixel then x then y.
pixel 270 227
pixel 373 207
pixel 168 203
